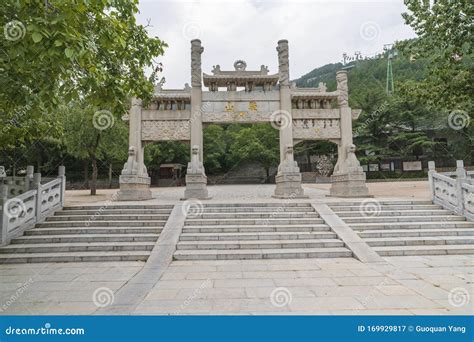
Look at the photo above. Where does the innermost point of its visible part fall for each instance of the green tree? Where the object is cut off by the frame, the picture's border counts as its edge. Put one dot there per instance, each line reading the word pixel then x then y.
pixel 90 50
pixel 445 36
pixel 93 136
pixel 258 143
pixel 214 148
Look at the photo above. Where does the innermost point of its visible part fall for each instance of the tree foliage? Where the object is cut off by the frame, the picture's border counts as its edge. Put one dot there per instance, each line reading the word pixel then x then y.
pixel 57 51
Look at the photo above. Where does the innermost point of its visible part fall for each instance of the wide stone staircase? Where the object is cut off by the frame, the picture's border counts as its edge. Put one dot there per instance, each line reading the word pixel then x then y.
pixel 90 233
pixel 398 228
pixel 257 231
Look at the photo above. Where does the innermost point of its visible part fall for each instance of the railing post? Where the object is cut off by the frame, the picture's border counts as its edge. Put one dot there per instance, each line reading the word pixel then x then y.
pixel 39 194
pixel 461 177
pixel 30 169
pixel 431 170
pixel 62 175
pixel 4 218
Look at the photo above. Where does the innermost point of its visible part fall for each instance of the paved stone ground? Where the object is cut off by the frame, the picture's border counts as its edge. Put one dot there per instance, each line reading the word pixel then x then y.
pixel 407 285
pixel 258 192
pixel 402 285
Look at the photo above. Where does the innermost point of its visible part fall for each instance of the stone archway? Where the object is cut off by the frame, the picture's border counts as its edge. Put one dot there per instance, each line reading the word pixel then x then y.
pixel 299 113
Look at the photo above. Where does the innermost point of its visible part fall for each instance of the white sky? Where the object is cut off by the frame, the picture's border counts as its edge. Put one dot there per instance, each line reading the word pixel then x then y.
pixel 318 31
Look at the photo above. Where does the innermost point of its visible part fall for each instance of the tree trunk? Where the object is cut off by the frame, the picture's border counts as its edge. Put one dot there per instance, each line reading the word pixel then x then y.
pixel 110 175
pixel 94 176
pixel 93 157
pixel 85 164
pixel 308 157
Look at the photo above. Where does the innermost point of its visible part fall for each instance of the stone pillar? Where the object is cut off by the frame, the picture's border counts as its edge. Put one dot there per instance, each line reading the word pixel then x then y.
pixel 288 178
pixel 431 171
pixel 348 179
pixel 196 180
pixel 62 176
pixel 39 195
pixel 134 180
pixel 30 169
pixel 3 217
pixel 461 178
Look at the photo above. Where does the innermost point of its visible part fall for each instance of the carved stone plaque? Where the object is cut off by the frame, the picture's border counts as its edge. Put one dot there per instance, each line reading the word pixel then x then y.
pixel 316 129
pixel 166 130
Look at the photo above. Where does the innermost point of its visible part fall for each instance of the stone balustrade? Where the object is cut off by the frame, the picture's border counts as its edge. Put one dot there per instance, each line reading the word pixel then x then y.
pixel 23 203
pixel 455 194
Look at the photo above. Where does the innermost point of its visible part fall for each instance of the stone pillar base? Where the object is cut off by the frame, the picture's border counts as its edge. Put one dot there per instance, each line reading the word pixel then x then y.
pixel 134 188
pixel 288 185
pixel 196 187
pixel 349 185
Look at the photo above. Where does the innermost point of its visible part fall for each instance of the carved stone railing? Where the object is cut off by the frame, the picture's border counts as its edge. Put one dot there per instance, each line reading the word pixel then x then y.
pixel 455 194
pixel 23 211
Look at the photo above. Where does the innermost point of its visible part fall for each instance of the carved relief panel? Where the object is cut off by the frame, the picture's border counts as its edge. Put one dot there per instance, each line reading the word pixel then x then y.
pixel 166 130
pixel 311 129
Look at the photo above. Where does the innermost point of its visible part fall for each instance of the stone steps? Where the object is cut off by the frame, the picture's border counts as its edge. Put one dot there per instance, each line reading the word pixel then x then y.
pixel 385 213
pixel 425 250
pixel 402 218
pixel 380 202
pixel 247 209
pixel 414 228
pixel 342 207
pixel 411 225
pixel 257 236
pixel 246 231
pixel 59 224
pixel 284 205
pixel 70 212
pixel 85 238
pixel 415 241
pixel 259 244
pixel 256 228
pixel 77 247
pixel 17 258
pixel 256 215
pixel 102 217
pixel 123 233
pixel 120 207
pixel 217 222
pixel 94 230
pixel 246 254
pixel 416 232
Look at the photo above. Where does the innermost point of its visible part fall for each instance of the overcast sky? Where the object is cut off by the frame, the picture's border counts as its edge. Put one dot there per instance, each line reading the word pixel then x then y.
pixel 318 31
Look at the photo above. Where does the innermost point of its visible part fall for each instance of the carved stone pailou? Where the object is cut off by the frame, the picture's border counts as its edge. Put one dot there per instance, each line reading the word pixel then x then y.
pixel 252 96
